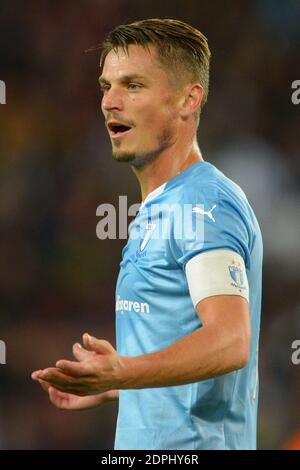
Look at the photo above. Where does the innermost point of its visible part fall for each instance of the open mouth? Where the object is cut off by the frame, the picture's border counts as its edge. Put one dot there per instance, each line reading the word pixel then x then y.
pixel 118 130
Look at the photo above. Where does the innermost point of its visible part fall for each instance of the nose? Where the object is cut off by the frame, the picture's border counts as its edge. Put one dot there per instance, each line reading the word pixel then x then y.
pixel 112 100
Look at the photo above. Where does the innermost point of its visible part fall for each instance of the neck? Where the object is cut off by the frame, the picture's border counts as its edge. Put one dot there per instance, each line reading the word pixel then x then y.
pixel 168 164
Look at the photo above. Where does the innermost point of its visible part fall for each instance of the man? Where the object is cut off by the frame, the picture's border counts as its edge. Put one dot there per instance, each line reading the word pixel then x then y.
pixel 185 369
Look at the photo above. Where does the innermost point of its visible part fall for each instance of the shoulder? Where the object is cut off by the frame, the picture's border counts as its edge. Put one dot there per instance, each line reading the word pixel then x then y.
pixel 207 183
pixel 216 194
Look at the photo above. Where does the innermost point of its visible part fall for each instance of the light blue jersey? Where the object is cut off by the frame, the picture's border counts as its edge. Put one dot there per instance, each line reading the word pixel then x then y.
pixel 154 309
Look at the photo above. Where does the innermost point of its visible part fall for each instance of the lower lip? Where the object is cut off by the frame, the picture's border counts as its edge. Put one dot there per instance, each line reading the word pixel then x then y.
pixel 117 135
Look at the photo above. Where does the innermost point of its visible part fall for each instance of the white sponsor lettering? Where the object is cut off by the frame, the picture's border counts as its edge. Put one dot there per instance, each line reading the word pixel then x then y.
pixel 124 305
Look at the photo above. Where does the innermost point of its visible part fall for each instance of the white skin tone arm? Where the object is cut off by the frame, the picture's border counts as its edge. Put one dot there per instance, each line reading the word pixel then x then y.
pixel 219 347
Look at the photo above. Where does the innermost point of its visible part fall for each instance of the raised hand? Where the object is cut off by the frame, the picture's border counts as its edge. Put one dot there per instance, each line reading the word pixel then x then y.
pixel 92 376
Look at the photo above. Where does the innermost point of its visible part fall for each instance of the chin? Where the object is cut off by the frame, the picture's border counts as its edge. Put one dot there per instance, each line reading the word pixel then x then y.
pixel 124 156
pixel 138 160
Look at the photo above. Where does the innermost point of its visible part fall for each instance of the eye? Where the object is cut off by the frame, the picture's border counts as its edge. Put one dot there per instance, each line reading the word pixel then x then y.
pixel 133 86
pixel 104 87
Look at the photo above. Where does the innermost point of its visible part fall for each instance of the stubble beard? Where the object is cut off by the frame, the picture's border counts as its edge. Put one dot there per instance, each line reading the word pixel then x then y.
pixel 142 159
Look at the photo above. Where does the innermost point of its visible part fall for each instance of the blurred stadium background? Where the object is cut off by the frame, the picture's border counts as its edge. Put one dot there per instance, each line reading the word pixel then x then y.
pixel 57 279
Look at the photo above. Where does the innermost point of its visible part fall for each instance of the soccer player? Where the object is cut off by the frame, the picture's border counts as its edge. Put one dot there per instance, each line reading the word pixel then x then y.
pixel 187 301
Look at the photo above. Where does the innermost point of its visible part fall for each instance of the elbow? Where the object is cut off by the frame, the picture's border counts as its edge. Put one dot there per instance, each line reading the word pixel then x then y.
pixel 238 350
pixel 242 352
pixel 243 360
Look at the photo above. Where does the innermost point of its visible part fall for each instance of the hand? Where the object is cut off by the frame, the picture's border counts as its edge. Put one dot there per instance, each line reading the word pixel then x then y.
pixel 96 371
pixel 67 401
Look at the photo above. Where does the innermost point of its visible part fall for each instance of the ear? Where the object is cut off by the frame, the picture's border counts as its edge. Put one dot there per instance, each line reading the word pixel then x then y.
pixel 192 102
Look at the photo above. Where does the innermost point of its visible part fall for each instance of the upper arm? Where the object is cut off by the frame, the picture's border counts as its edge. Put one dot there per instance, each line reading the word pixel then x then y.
pixel 219 290
pixel 229 316
pixel 216 259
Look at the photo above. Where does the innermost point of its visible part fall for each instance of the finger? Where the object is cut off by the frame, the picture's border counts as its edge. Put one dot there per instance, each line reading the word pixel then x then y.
pixel 98 345
pixel 64 390
pixel 35 374
pixel 59 399
pixel 64 401
pixel 67 401
pixel 80 390
pixel 55 376
pixel 79 352
pixel 73 369
pixel 64 387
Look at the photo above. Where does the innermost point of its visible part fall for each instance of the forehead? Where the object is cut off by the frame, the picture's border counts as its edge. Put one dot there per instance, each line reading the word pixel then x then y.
pixel 138 60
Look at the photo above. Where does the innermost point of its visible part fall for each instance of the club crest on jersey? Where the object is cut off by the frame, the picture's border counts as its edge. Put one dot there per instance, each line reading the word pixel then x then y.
pixel 149 230
pixel 236 274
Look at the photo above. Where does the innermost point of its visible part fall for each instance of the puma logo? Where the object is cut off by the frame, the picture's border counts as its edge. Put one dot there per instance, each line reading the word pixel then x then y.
pixel 198 210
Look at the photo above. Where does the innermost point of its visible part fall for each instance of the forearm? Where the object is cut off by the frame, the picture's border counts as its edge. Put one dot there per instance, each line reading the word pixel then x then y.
pixel 202 354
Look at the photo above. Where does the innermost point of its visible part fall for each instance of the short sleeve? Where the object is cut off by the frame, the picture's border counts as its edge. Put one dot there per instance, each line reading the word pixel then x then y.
pixel 215 222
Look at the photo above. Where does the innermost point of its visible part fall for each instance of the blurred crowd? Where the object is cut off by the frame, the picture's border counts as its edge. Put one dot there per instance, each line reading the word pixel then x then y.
pixel 57 279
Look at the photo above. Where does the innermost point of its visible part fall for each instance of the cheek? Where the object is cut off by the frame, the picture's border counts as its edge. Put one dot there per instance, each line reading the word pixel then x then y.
pixel 156 118
pixel 154 113
pixel 101 107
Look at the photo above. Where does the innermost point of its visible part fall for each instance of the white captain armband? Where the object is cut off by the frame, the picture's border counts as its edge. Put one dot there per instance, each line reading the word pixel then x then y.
pixel 216 272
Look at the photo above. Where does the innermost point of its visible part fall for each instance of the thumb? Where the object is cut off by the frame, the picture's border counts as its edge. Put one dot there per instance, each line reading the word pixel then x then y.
pixel 98 345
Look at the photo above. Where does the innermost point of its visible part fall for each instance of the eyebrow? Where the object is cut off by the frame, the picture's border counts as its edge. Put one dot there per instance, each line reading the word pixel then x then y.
pixel 122 79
